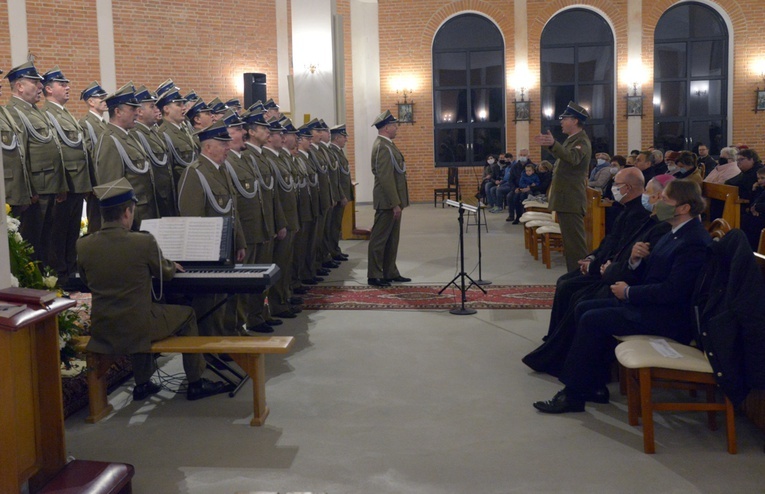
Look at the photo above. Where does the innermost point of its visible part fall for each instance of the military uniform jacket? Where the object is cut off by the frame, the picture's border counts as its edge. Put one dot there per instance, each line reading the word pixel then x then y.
pixel 272 208
pixel 300 175
pixel 308 198
pixel 73 150
pixel 388 166
pixel 43 152
pixel 345 185
pixel 285 187
pixel 117 265
pixel 18 187
pixel 568 192
pixel 245 180
pixel 162 165
pixel 94 127
pixel 319 158
pixel 207 191
pixel 333 165
pixel 120 155
pixel 181 146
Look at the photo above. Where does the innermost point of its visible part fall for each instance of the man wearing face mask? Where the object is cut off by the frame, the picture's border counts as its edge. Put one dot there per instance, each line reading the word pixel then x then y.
pixel 658 301
pixel 510 180
pixel 627 190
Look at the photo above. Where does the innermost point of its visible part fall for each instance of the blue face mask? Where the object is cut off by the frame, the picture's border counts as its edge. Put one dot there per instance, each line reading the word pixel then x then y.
pixel 601 161
pixel 644 199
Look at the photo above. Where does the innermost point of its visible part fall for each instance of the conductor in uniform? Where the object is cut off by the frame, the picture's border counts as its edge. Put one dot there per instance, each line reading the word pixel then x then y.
pixel 117 265
pixel 390 196
pixel 568 192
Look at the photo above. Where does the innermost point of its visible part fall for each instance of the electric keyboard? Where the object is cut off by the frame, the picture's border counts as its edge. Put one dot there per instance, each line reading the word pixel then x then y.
pixel 201 280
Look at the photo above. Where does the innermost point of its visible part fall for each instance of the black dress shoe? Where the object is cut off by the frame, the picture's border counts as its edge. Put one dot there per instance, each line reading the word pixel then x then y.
pixel 204 388
pixel 261 328
pixel 398 279
pixel 509 218
pixel 599 396
pixel 295 309
pixel 286 314
pixel 562 402
pixel 318 279
pixel 143 391
pixel 295 300
pixel 377 282
pixel 300 290
pixel 340 257
pixel 274 322
pixel 330 265
pixel 322 272
pixel 312 281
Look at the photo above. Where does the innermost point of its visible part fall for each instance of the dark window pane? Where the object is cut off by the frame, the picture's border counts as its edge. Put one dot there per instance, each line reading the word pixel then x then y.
pixel 581 25
pixel 596 64
pixel 488 105
pixel 558 65
pixel 710 132
pixel 600 138
pixel 467 31
pixel 706 98
pixel 487 141
pixel 669 60
pixel 451 106
pixel 451 146
pixel 674 24
pixel 597 99
pixel 669 99
pixel 707 58
pixel 555 99
pixel 669 135
pixel 705 22
pixel 450 69
pixel 487 68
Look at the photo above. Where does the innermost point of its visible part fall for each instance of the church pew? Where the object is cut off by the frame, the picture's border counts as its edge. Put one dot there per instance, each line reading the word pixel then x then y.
pixel 728 194
pixel 247 351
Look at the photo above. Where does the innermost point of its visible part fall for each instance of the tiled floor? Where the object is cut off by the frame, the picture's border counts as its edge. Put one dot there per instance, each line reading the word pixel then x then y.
pixel 414 402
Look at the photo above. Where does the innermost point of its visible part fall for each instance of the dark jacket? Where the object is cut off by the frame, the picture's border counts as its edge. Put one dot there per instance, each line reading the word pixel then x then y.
pixel 731 327
pixel 627 224
pixel 744 181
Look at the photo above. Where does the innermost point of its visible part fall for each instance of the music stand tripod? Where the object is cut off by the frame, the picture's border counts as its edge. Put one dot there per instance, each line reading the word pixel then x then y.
pixel 462 310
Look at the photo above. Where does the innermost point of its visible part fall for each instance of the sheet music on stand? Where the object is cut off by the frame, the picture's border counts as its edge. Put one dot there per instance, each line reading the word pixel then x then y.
pixel 462 205
pixel 193 240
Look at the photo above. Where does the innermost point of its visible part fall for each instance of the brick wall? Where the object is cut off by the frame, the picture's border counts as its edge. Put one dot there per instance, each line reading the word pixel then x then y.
pixel 344 9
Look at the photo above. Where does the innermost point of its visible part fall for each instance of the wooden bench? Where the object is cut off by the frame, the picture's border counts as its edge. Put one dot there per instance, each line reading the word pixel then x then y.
pixel 247 351
pixel 594 219
pixel 728 194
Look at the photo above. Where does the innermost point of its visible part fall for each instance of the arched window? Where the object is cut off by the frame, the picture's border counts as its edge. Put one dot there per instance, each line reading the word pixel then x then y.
pixel 468 91
pixel 577 64
pixel 690 79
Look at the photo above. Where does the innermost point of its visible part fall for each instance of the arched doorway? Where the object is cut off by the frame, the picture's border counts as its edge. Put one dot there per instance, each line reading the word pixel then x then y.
pixel 690 103
pixel 468 91
pixel 577 64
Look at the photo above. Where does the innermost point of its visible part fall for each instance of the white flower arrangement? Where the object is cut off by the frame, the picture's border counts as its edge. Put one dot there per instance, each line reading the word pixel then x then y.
pixel 13 225
pixel 50 281
pixel 14 281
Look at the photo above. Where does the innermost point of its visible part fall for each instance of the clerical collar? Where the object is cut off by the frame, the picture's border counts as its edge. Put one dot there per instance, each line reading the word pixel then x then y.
pixel 217 166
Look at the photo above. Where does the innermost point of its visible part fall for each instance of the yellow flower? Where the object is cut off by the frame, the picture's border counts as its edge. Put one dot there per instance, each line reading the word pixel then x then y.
pixel 30 267
pixel 7 208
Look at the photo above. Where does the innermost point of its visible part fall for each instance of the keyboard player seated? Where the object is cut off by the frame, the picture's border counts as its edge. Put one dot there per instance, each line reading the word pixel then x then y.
pixel 117 266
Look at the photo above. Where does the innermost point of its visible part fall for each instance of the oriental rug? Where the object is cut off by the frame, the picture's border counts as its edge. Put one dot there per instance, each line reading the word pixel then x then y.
pixel 426 297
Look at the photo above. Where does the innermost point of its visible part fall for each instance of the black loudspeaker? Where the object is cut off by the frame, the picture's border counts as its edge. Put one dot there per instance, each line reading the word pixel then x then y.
pixel 254 88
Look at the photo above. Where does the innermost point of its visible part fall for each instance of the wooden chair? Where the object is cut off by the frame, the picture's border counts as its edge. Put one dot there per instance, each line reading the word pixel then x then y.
pixel 551 240
pixel 452 186
pixel 728 194
pixel 645 369
pixel 718 228
pixel 594 219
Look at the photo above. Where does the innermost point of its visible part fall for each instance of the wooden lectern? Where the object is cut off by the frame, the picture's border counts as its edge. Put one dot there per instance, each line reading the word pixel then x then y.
pixel 350 231
pixel 31 409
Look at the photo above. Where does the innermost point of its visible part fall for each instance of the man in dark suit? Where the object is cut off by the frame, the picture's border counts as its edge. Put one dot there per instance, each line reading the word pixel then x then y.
pixel 657 303
pixel 391 196
pixel 568 192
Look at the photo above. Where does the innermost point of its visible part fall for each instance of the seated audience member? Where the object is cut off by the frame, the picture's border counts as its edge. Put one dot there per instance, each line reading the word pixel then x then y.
pixel 671 160
pixel 688 168
pixel 509 183
pixel 117 265
pixel 528 179
pixel 630 160
pixel 601 174
pixel 748 162
pixel 753 219
pixel 658 166
pixel 643 163
pixel 617 163
pixel 539 191
pixel 706 162
pixel 657 301
pixel 586 282
pixel 491 174
pixel 725 169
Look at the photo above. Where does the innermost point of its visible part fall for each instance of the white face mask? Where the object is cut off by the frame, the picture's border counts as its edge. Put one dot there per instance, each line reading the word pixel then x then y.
pixel 672 168
pixel 601 161
pixel 614 170
pixel 490 161
pixel 618 196
pixel 523 159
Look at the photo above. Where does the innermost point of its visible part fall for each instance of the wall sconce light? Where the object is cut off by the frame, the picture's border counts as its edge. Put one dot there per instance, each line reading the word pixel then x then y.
pixel 522 108
pixel 311 67
pixel 405 109
pixel 634 102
